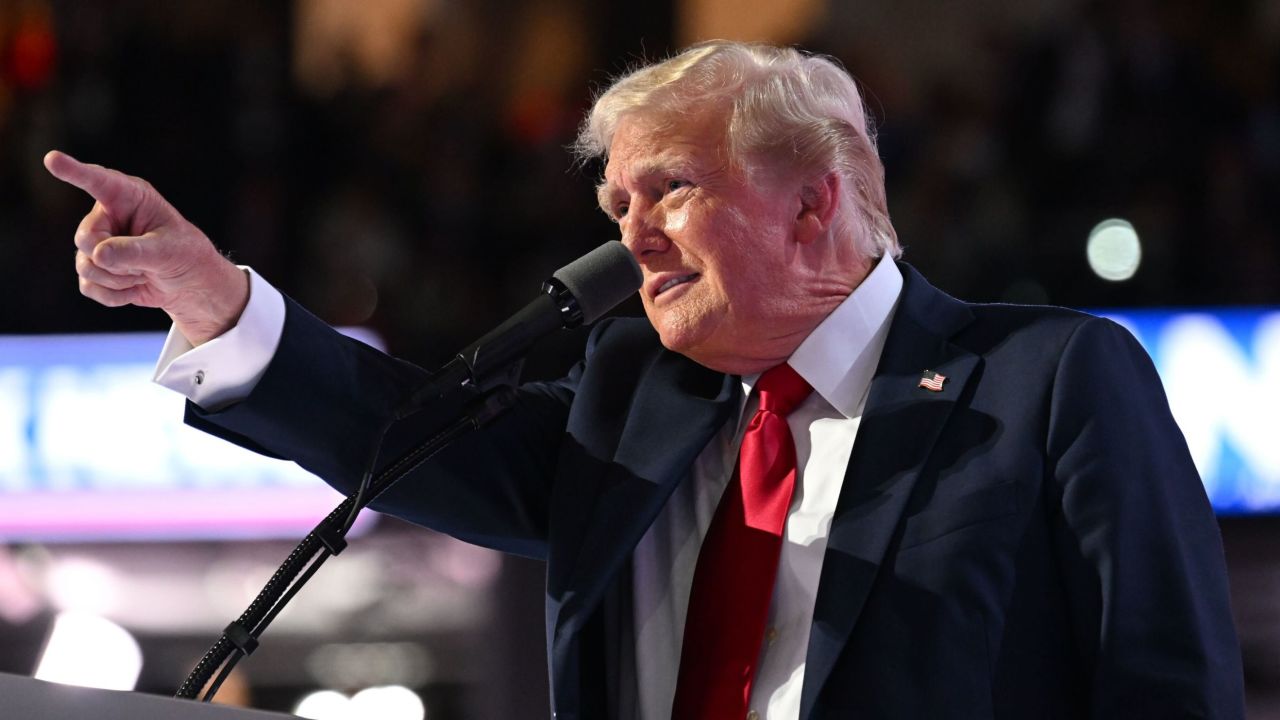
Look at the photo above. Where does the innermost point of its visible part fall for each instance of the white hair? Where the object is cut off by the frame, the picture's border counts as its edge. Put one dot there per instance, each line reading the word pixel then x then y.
pixel 786 109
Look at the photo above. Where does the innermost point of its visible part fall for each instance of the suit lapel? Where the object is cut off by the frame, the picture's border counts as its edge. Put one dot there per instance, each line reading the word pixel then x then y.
pixel 900 424
pixel 679 406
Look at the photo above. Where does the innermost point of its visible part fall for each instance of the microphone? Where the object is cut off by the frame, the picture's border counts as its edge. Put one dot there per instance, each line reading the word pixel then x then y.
pixel 577 294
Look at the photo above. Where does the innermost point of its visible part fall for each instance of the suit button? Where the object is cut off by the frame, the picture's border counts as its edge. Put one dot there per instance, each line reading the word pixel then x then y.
pixel 199 377
pixel 771 635
pixel 753 715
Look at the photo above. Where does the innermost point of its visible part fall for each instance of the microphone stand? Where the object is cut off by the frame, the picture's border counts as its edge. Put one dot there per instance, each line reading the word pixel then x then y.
pixel 328 538
pixel 489 368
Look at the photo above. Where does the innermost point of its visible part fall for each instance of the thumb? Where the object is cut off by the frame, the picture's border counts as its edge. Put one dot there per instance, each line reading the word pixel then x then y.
pixel 130 254
pixel 110 187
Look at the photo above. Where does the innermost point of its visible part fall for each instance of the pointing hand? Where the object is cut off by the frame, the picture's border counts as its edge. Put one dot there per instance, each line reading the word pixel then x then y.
pixel 134 248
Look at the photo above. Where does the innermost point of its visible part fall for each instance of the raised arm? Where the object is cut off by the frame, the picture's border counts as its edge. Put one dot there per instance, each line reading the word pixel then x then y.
pixel 134 248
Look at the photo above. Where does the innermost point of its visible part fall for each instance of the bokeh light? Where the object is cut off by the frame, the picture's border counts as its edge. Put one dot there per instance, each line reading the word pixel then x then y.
pixel 90 651
pixel 1114 250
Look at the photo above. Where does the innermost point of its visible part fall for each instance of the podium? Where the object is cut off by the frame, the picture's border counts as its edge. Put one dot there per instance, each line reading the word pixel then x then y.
pixel 24 698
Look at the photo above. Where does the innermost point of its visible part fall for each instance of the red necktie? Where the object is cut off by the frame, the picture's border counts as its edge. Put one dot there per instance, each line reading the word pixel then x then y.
pixel 733 583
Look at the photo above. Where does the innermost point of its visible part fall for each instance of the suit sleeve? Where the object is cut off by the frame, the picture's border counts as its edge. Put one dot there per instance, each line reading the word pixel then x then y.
pixel 1140 547
pixel 323 399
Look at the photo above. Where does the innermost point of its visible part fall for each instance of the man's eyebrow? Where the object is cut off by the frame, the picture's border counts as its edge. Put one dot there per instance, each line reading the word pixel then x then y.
pixel 666 163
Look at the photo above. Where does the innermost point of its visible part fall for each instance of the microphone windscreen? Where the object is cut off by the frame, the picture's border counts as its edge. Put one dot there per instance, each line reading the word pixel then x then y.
pixel 601 279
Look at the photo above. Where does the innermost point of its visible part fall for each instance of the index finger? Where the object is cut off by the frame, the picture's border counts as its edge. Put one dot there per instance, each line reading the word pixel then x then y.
pixel 109 187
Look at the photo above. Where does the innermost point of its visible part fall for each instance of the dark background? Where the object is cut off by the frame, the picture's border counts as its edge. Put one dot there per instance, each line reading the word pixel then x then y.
pixel 401 164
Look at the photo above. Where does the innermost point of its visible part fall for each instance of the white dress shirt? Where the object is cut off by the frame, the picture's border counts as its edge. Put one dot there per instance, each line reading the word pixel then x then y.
pixel 838 359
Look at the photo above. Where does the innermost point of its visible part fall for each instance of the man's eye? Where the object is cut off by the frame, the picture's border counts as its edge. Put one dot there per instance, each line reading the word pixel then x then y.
pixel 673 185
pixel 620 212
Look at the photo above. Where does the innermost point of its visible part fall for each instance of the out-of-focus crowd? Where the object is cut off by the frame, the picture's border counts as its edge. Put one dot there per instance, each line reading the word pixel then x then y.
pixel 402 163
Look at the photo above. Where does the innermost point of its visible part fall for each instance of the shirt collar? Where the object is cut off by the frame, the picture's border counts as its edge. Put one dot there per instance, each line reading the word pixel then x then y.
pixel 840 356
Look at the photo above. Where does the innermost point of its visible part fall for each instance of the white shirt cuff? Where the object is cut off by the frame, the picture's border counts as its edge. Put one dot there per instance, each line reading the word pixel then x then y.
pixel 226 369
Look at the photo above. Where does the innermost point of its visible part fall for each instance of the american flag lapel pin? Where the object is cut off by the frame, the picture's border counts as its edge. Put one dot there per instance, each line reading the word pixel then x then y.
pixel 932 381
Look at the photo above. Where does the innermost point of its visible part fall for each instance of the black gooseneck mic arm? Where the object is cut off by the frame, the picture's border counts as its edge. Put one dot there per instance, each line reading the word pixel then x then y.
pixel 496 358
pixel 578 293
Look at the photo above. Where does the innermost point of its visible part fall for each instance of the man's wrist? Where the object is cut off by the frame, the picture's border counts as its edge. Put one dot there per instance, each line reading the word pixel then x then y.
pixel 215 311
pixel 228 367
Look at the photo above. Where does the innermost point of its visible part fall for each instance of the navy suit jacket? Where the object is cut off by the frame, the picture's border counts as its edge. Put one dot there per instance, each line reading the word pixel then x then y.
pixel 1031 542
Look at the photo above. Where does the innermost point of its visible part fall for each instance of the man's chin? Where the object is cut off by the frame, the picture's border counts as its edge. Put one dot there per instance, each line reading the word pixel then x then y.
pixel 698 349
pixel 675 343
pixel 697 337
pixel 678 339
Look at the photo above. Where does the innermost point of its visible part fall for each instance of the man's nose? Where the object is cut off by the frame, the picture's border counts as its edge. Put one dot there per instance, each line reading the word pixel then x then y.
pixel 642 233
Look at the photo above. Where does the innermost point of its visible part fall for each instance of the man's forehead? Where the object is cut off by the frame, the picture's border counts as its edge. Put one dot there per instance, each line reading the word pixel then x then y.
pixel 643 145
pixel 657 159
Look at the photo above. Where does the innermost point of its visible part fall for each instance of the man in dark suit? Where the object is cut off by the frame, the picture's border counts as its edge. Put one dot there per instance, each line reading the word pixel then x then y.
pixel 985 511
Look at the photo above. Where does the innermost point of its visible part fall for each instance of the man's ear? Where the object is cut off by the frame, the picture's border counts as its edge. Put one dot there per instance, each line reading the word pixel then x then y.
pixel 818 201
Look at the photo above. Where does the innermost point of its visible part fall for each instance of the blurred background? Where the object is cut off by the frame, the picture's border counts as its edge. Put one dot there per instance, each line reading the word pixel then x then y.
pixel 400 166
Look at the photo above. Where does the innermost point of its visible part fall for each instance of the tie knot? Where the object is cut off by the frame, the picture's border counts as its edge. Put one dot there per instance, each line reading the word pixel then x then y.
pixel 781 389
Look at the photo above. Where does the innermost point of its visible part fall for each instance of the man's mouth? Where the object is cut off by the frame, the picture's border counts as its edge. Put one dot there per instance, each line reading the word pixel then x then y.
pixel 674 282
